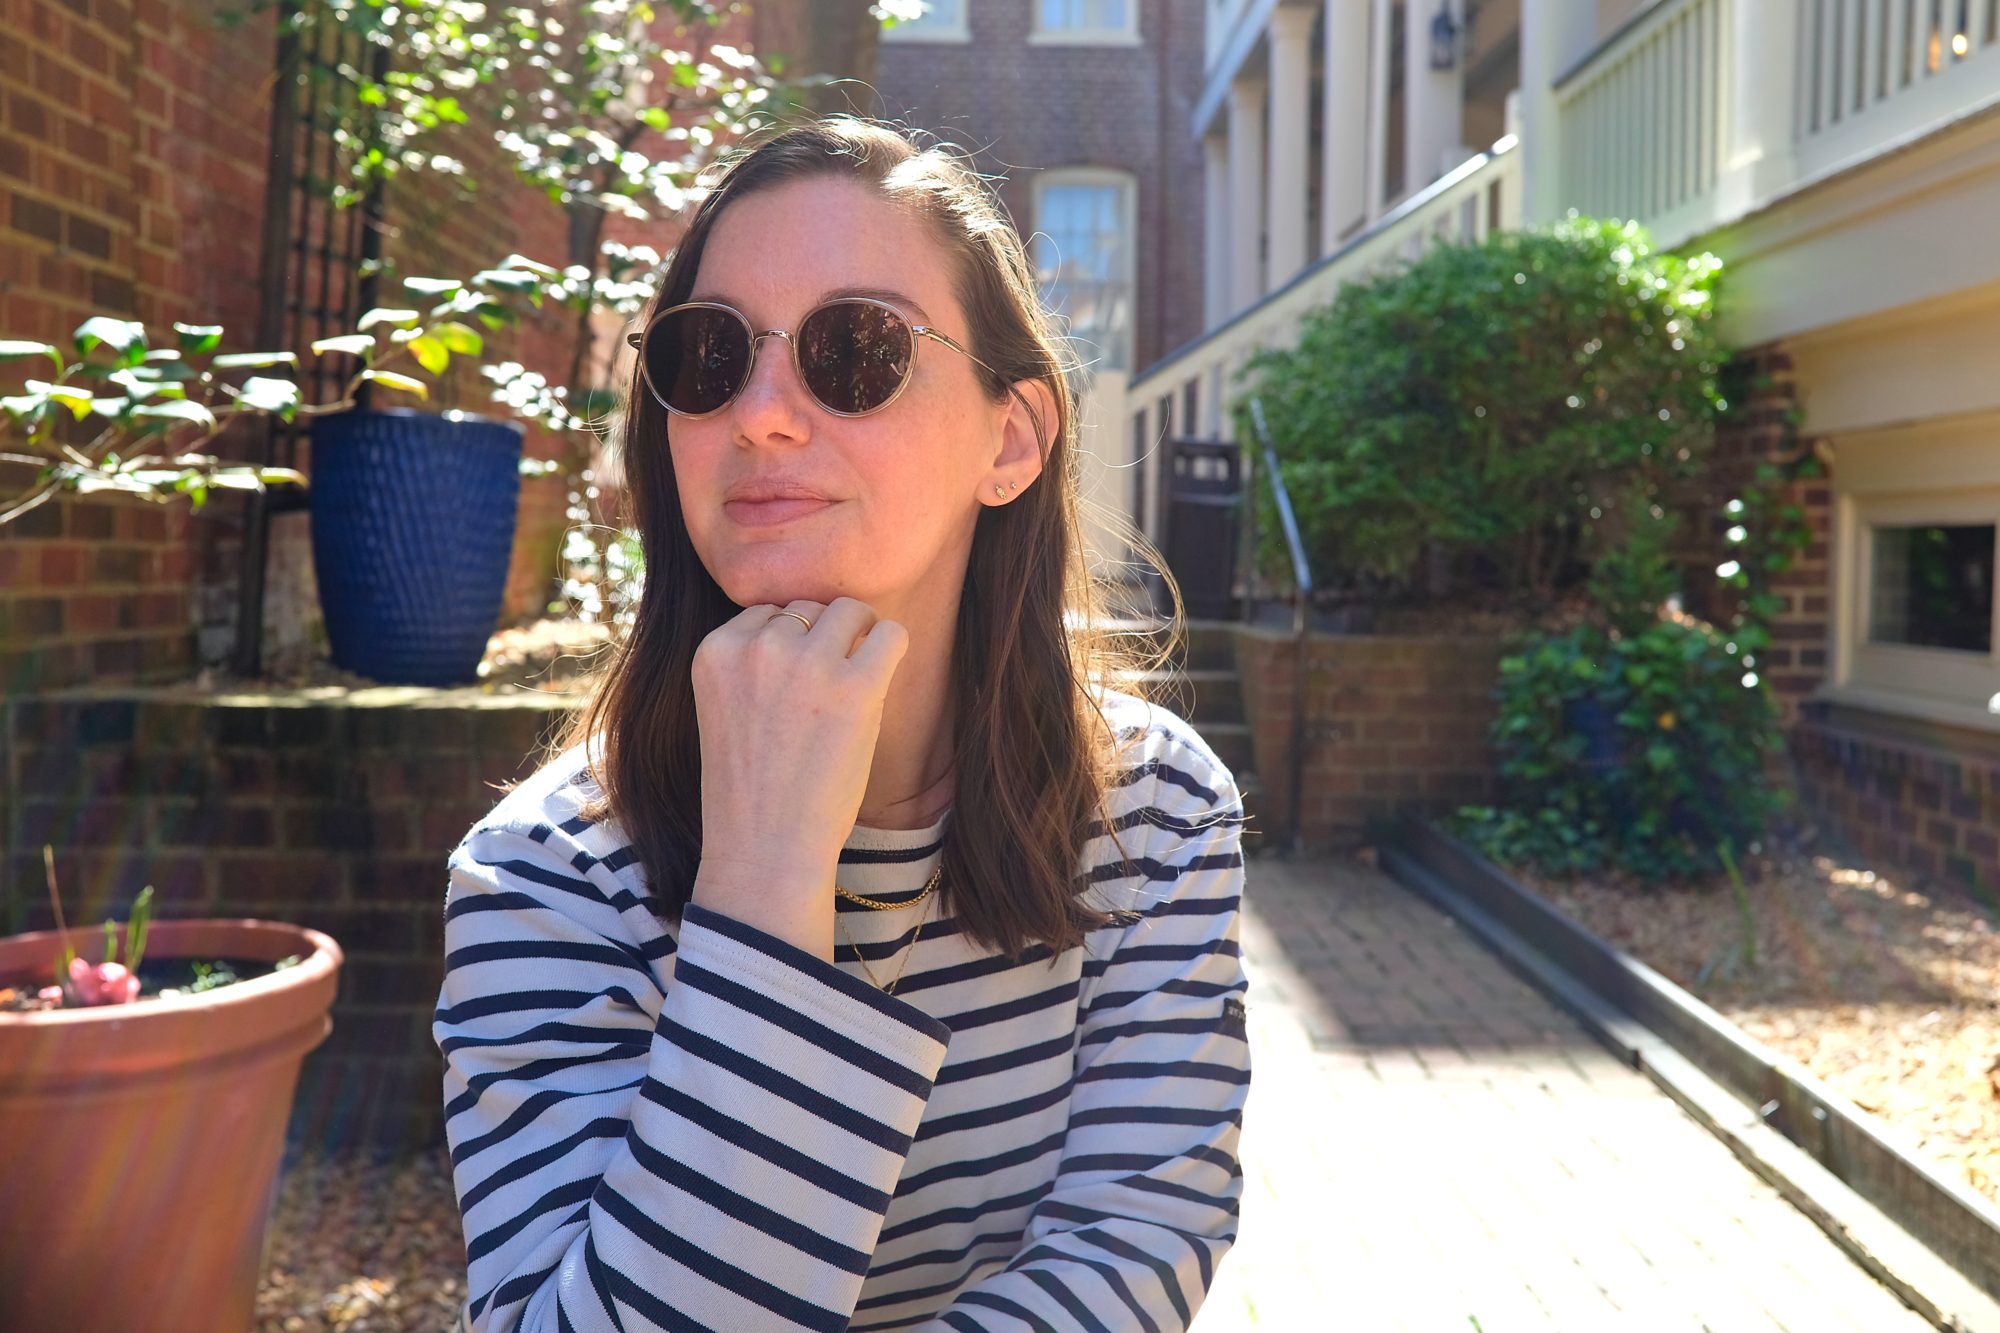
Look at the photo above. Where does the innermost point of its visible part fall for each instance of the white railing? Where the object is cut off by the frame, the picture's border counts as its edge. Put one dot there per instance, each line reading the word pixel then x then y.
pixel 1698 112
pixel 1643 123
pixel 1876 72
pixel 1189 392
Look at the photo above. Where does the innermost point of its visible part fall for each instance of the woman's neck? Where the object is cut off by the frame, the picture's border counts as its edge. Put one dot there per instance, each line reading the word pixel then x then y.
pixel 910 781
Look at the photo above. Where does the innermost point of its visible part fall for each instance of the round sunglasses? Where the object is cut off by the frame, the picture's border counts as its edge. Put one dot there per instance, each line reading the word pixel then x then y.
pixel 854 354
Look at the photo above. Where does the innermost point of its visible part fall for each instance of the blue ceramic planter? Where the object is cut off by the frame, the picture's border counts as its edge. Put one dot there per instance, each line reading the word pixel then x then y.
pixel 413 528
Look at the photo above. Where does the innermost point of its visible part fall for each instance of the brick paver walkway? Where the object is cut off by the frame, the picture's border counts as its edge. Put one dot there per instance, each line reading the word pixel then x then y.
pixel 1431 1145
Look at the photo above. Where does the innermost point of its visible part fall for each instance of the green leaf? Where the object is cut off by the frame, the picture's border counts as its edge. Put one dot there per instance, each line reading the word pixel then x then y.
pixel 510 280
pixel 265 394
pixel 197 339
pixel 123 336
pixel 176 409
pixel 655 118
pixel 432 286
pixel 13 350
pixel 254 360
pixel 390 379
pixel 431 354
pixel 532 266
pixel 388 315
pixel 460 338
pixel 353 344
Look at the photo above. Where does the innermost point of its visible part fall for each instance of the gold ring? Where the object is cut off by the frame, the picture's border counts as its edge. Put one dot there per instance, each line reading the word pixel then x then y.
pixel 795 616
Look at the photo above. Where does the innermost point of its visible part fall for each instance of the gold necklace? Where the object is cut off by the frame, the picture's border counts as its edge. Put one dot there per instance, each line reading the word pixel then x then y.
pixel 908 954
pixel 881 906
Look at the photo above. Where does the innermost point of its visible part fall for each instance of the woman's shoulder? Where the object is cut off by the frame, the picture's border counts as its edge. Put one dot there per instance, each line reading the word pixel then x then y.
pixel 549 801
pixel 1161 758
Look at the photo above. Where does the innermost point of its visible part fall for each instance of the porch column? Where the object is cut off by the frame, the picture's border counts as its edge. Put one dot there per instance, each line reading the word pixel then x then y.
pixel 1434 99
pixel 1343 177
pixel 1555 34
pixel 1290 38
pixel 1215 270
pixel 1378 107
pixel 1762 109
pixel 1246 193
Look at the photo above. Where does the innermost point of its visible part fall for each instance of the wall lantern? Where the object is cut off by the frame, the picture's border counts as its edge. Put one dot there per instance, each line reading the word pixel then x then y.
pixel 1444 38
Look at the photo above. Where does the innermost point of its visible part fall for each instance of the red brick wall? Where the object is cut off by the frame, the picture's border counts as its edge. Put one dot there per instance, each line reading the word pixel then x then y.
pixel 132 176
pixel 1029 108
pixel 1392 724
pixel 1914 794
pixel 333 814
pixel 130 141
pixel 1760 430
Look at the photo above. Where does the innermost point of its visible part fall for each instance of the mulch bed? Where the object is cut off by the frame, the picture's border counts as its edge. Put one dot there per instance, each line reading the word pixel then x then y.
pixel 363 1245
pixel 1885 987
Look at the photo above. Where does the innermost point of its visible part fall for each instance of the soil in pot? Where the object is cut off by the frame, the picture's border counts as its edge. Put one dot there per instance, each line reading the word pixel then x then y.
pixel 181 976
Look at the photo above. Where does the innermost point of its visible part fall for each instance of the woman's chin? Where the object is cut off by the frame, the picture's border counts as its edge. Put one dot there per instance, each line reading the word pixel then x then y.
pixel 776 583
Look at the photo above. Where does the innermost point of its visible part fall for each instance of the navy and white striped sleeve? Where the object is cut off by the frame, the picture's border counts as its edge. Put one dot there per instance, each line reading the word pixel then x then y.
pixel 1147 1194
pixel 718 1155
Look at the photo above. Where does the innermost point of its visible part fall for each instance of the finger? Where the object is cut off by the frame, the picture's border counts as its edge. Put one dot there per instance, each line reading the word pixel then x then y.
pixel 882 650
pixel 845 621
pixel 781 617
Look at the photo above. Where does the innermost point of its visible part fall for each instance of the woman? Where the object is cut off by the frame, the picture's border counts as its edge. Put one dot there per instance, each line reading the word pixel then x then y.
pixel 862 960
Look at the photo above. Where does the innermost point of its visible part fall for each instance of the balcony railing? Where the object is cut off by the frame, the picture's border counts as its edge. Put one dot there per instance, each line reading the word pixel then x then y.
pixel 1700 111
pixel 1875 72
pixel 1188 393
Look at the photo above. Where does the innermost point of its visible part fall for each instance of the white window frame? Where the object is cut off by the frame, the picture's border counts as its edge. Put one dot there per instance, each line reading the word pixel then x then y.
pixel 1127 185
pixel 926 29
pixel 1946 473
pixel 1126 35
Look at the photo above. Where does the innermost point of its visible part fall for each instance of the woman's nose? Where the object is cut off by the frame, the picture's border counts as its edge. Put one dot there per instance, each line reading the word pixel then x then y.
pixel 773 401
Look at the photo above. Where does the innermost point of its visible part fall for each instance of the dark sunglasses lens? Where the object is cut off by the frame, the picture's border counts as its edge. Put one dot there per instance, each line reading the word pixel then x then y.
pixel 697 359
pixel 855 355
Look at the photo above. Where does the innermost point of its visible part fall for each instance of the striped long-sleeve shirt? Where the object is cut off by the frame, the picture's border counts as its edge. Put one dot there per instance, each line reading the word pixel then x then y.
pixel 702 1126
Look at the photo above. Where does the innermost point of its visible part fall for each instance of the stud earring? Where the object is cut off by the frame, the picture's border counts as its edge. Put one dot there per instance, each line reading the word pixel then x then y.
pixel 997 491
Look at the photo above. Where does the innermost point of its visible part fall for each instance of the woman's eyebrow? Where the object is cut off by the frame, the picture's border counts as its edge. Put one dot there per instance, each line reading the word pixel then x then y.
pixel 895 298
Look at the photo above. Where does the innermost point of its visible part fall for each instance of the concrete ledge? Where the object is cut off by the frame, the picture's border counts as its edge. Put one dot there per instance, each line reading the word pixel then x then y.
pixel 1929 1237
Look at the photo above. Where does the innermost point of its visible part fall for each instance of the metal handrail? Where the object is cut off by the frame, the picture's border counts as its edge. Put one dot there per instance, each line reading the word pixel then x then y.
pixel 1302 587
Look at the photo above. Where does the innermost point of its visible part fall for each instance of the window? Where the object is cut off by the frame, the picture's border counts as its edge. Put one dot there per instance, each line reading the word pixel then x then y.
pixel 1083 261
pixel 941 21
pixel 1933 586
pixel 1094 21
pixel 1916 542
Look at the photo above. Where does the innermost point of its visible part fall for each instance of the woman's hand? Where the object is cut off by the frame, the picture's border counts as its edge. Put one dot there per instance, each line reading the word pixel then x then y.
pixel 788 720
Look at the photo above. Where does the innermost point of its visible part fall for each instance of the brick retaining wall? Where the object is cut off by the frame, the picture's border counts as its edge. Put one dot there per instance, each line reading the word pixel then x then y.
pixel 337 815
pixel 1393 724
pixel 1915 794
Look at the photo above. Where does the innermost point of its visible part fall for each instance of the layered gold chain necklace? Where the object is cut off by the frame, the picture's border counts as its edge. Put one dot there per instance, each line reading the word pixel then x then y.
pixel 877 904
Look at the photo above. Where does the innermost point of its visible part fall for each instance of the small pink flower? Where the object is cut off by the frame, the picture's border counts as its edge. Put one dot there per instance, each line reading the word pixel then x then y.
pixel 102 983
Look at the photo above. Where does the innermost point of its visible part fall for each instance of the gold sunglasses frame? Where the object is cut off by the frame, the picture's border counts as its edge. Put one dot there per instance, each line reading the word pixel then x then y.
pixel 918 331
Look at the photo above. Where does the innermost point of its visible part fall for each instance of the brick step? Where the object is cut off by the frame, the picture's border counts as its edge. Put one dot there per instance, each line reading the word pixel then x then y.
pixel 1208 645
pixel 1202 697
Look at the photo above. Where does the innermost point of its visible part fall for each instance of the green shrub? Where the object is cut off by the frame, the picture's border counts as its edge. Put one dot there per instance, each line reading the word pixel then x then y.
pixel 1498 399
pixel 1674 772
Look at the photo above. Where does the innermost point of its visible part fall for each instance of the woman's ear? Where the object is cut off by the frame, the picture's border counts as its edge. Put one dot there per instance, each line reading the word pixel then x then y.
pixel 1027 434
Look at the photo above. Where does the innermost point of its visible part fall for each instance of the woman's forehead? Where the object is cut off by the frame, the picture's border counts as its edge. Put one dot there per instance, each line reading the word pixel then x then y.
pixel 780 250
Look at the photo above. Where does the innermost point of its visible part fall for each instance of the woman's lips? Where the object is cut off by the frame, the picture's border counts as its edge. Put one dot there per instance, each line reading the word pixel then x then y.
pixel 770 513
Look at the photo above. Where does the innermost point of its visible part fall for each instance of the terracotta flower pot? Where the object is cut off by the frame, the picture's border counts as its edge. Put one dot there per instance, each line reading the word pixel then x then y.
pixel 139 1144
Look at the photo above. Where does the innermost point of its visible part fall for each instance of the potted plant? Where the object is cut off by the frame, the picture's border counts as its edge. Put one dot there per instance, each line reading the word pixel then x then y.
pixel 415 512
pixel 610 112
pixel 144 1096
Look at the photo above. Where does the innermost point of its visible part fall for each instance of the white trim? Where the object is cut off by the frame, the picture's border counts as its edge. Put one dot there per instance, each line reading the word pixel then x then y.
pixel 925 30
pixel 1127 35
pixel 1127 185
pixel 1908 476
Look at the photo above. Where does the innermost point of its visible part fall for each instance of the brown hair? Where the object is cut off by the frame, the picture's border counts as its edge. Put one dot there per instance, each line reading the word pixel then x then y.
pixel 1033 755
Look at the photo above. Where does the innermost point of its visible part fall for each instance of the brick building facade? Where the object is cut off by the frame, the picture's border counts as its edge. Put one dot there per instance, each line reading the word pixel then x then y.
pixel 1033 102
